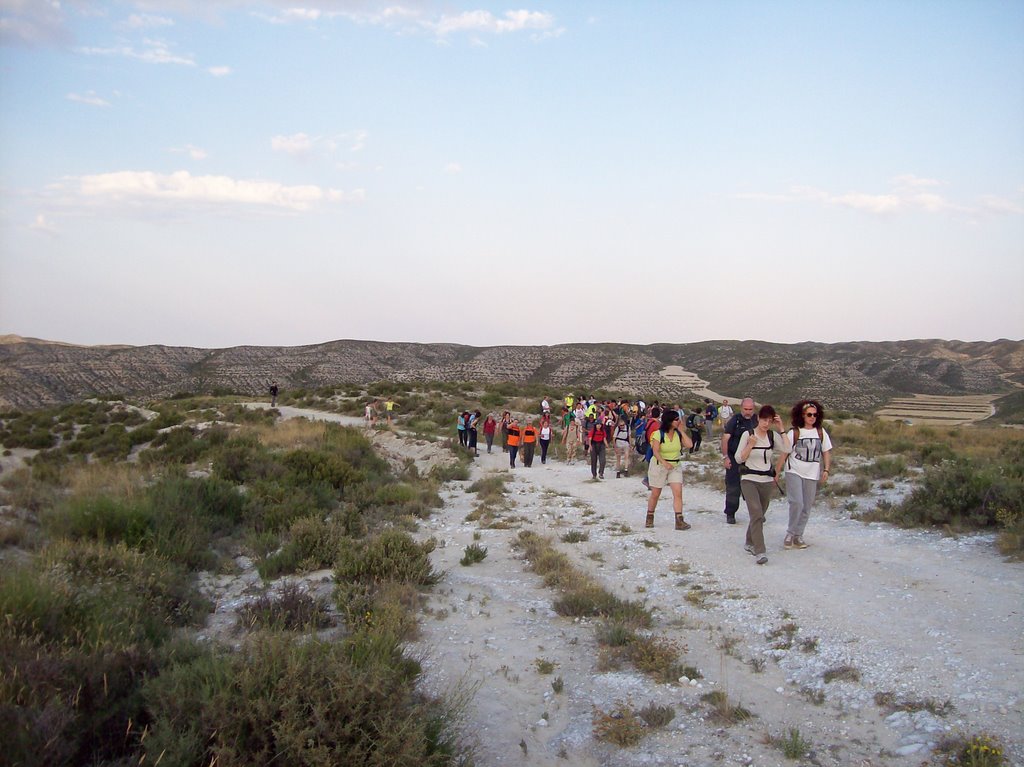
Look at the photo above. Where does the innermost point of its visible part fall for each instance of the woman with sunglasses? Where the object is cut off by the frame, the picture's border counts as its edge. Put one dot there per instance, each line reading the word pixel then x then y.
pixel 667 445
pixel 806 466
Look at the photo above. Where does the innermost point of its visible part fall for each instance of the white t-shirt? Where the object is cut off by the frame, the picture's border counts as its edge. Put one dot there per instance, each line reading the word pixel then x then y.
pixel 760 458
pixel 725 413
pixel 805 460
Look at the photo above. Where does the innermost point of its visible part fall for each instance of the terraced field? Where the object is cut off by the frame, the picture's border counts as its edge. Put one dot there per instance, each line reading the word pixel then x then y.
pixel 934 409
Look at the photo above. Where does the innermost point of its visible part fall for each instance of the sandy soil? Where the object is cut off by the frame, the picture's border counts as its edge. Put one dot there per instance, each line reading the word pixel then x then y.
pixel 917 615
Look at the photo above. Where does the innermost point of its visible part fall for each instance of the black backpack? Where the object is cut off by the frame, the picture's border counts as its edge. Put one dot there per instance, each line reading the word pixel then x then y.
pixel 771 466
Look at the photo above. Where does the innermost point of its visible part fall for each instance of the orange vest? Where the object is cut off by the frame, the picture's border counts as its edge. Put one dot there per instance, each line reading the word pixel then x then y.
pixel 529 435
pixel 513 436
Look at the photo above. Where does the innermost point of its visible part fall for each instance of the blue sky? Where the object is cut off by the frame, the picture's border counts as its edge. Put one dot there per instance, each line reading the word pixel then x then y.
pixel 223 173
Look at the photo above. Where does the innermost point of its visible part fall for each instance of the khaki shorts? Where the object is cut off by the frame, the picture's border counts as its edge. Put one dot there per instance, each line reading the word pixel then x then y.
pixel 659 476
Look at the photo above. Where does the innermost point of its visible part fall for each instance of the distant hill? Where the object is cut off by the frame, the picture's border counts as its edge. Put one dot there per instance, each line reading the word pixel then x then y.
pixel 857 376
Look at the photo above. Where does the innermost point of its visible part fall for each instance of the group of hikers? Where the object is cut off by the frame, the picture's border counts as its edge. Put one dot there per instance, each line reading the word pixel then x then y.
pixel 756 448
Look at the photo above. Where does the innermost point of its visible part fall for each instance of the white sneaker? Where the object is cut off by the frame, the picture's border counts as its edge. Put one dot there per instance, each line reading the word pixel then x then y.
pixel 763 559
pixel 749 548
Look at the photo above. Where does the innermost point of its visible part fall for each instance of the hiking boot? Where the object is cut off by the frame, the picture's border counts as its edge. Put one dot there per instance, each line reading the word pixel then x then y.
pixel 682 524
pixel 799 542
pixel 749 548
pixel 618 474
pixel 763 559
pixel 600 476
pixel 650 519
pixel 789 542
pixel 730 519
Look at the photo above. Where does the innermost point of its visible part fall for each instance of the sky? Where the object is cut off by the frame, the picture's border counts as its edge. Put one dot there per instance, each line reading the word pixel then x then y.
pixel 219 173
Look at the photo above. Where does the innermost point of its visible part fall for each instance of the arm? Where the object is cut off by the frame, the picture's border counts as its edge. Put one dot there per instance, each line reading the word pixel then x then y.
pixel 826 458
pixel 684 435
pixel 725 450
pixel 746 445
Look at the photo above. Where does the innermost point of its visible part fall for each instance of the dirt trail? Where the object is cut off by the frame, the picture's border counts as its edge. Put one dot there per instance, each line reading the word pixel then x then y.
pixel 914 615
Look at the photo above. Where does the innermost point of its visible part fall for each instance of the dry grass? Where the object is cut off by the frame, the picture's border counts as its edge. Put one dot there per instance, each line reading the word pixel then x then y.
pixel 293 433
pixel 121 480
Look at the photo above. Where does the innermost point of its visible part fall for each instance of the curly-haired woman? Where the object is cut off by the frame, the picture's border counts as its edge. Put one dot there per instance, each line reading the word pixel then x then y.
pixel 806 466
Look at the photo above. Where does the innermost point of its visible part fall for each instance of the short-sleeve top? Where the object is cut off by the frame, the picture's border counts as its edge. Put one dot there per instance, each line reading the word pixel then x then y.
pixel 671 447
pixel 805 460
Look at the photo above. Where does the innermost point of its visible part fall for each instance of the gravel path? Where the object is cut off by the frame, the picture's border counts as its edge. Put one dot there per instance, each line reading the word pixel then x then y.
pixel 910 617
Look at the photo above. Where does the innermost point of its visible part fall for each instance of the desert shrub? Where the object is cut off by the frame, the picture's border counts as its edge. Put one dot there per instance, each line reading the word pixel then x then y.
pixel 961 494
pixel 179 445
pixel 294 703
pixel 980 750
pixel 320 467
pixel 312 543
pixel 243 459
pixel 594 602
pixel 187 512
pixel 44 607
pixel 176 518
pixel 657 657
pixel 657 716
pixel 69 705
pixel 273 506
pixel 292 609
pixel 392 555
pixel 100 518
pixel 163 585
pixel 1011 537
pixel 885 467
pixel 26 490
pixel 575 536
pixel 458 472
pixel 473 553
pixel 935 452
pixel 621 726
pixel 490 488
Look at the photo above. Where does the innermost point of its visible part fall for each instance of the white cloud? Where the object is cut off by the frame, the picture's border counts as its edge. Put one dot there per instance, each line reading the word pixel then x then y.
pixel 405 19
pixel 485 21
pixel 194 152
pixel 41 224
pixel 219 71
pixel 452 169
pixel 182 188
pixel 303 145
pixel 992 204
pixel 90 98
pixel 32 23
pixel 155 52
pixel 147 21
pixel 907 194
pixel 296 145
pixel 914 181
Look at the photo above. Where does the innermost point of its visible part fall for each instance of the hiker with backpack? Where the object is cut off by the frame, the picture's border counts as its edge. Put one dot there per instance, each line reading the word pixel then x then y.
pixel 757 471
pixel 742 422
pixel 667 445
pixel 695 423
pixel 623 446
pixel 710 414
pixel 806 466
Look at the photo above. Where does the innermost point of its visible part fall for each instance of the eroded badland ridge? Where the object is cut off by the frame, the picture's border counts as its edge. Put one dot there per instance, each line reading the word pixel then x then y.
pixel 853 376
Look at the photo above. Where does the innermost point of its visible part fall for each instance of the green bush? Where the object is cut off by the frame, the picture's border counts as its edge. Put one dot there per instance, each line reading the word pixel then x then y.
pixel 297 703
pixel 962 495
pixel 100 518
pixel 392 555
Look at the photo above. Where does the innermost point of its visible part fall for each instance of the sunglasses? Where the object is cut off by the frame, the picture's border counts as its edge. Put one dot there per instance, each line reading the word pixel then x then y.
pixel 808 414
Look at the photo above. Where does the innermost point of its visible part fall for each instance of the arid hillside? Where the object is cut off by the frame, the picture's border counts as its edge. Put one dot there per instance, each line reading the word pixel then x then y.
pixel 857 376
